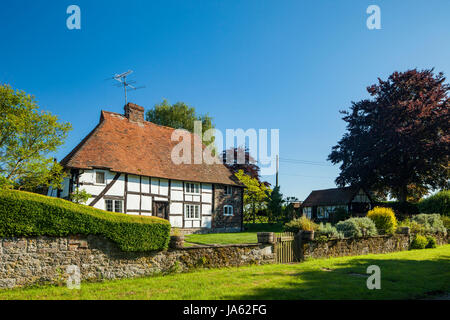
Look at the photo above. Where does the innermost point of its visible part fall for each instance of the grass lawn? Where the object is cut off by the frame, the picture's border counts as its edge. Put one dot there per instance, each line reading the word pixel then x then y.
pixel 249 236
pixel 404 275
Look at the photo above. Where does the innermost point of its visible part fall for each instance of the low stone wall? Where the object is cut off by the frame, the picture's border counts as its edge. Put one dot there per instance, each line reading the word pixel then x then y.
pixel 360 246
pixel 353 247
pixel 44 260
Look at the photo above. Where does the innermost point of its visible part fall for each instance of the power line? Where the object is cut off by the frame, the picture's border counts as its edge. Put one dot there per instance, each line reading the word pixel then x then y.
pixel 306 176
pixel 305 162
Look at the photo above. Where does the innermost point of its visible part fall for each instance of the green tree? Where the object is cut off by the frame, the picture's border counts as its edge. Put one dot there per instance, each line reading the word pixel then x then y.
pixel 275 203
pixel 79 196
pixel 255 194
pixel 178 116
pixel 27 136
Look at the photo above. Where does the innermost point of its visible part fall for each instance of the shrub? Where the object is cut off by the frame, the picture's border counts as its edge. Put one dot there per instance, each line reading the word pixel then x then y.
pixel 384 219
pixel 357 227
pixel 302 223
pixel 338 214
pixel 414 226
pixel 419 242
pixel 431 242
pixel 439 202
pixel 328 231
pixel 431 222
pixel 446 221
pixel 28 214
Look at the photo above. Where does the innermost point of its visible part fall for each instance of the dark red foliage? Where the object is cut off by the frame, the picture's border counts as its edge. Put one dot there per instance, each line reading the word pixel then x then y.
pixel 240 159
pixel 398 138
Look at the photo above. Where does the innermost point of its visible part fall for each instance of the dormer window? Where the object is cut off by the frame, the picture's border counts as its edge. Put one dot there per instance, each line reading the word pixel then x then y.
pixel 100 177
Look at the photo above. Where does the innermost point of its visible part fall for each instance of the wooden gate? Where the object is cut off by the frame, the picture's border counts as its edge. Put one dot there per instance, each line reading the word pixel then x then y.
pixel 286 247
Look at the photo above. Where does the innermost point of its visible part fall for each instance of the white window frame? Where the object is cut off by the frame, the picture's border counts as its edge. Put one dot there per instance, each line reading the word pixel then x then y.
pixel 95 178
pixel 230 189
pixel 228 207
pixel 187 210
pixel 114 201
pixel 191 186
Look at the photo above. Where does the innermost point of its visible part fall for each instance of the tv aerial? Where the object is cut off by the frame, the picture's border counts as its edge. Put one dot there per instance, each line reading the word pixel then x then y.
pixel 127 85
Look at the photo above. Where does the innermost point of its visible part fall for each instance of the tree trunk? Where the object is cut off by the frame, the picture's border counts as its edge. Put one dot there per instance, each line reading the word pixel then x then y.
pixel 403 193
pixel 254 213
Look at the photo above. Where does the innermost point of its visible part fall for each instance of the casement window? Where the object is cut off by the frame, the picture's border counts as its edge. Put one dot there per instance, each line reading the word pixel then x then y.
pixel 322 213
pixel 228 210
pixel 307 211
pixel 100 177
pixel 114 205
pixel 228 190
pixel 192 212
pixel 190 187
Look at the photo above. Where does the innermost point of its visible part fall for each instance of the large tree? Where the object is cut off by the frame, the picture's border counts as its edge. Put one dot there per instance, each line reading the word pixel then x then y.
pixel 249 165
pixel 178 116
pixel 397 141
pixel 27 137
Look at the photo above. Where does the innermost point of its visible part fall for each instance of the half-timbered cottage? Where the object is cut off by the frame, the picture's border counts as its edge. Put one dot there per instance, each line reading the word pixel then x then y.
pixel 321 203
pixel 125 164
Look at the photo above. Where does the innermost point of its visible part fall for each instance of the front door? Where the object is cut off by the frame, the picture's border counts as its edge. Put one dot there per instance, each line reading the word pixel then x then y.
pixel 160 209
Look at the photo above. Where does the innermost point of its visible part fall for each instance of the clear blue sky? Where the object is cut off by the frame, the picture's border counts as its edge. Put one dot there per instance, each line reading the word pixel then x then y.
pixel 288 65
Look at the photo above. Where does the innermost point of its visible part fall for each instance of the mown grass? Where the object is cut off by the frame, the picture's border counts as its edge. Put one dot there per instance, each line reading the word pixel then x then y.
pixel 404 275
pixel 249 236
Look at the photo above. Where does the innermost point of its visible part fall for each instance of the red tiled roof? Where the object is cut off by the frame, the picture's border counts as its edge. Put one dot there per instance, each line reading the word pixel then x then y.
pixel 141 148
pixel 329 197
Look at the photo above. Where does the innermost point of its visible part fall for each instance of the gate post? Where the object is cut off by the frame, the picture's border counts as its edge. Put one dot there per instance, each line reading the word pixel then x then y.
pixel 298 245
pixel 266 237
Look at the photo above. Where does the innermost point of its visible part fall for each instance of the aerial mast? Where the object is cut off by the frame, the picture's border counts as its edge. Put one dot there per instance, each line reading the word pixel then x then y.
pixel 127 85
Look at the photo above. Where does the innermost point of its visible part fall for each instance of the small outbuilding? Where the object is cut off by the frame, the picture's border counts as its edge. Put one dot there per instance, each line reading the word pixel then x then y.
pixel 321 203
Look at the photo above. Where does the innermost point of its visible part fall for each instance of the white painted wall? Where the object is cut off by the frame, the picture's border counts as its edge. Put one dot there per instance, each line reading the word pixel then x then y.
pixel 159 188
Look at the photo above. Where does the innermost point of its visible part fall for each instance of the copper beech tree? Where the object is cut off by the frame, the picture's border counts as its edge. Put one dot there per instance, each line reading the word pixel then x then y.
pixel 397 141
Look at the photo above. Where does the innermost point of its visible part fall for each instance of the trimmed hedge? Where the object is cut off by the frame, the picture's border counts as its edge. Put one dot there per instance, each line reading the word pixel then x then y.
pixel 28 214
pixel 401 208
pixel 437 203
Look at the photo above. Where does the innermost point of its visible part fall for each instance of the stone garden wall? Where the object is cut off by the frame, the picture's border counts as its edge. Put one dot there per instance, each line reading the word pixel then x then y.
pixel 359 246
pixel 44 260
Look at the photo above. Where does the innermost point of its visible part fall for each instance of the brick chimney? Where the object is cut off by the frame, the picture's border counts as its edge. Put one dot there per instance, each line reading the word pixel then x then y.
pixel 134 112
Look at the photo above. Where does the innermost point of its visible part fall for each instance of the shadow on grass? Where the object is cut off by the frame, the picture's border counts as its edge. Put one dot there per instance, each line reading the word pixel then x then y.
pixel 263 227
pixel 400 279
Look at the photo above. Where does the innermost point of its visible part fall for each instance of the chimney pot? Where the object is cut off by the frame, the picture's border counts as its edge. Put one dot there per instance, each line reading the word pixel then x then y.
pixel 134 112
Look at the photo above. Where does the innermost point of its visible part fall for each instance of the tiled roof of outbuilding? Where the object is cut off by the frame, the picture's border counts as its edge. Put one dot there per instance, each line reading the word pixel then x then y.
pixel 335 196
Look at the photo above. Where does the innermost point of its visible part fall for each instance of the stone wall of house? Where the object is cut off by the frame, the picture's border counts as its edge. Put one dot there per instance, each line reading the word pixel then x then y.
pixel 227 223
pixel 44 260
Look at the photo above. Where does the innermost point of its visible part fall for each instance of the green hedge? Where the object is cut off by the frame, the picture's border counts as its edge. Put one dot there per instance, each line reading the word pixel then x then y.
pixel 437 203
pixel 29 214
pixel 400 208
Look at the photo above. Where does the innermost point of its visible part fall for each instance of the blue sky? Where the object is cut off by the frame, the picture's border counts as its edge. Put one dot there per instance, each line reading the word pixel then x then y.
pixel 288 65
